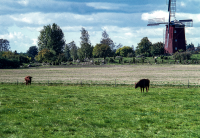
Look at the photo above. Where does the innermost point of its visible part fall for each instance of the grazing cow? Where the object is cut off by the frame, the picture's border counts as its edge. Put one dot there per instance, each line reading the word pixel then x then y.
pixel 143 83
pixel 28 80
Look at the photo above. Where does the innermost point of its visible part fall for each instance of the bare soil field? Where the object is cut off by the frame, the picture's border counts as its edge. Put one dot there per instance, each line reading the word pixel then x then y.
pixel 107 74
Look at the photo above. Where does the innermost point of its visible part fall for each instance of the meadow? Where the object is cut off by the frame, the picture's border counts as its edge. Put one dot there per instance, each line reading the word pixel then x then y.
pixel 166 74
pixel 98 111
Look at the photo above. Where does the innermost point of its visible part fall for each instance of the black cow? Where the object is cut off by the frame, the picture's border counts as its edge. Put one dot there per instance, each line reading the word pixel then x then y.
pixel 143 83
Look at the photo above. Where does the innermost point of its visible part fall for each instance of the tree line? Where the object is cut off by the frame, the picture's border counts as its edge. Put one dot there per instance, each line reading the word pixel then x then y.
pixel 52 48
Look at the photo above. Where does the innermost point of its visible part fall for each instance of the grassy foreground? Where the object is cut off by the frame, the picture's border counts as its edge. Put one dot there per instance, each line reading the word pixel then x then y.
pixel 75 111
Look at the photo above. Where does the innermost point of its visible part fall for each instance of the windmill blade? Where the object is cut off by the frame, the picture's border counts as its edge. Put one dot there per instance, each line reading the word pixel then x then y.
pixel 153 24
pixel 171 7
pixel 167 40
pixel 169 10
pixel 156 21
pixel 169 14
pixel 187 22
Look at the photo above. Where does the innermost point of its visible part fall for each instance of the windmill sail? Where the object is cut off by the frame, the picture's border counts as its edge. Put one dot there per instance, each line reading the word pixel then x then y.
pixel 172 8
pixel 156 21
pixel 187 22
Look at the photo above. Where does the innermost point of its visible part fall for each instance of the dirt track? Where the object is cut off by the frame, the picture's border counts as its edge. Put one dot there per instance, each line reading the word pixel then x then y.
pixel 128 74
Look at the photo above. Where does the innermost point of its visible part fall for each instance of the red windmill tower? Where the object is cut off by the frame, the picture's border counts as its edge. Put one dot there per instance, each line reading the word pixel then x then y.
pixel 175 30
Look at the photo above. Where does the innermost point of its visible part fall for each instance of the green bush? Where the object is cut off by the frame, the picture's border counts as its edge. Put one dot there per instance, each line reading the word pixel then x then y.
pixel 9 63
pixel 133 59
pixel 142 60
pixel 165 58
pixel 97 63
pixel 126 61
pixel 111 60
pixel 182 55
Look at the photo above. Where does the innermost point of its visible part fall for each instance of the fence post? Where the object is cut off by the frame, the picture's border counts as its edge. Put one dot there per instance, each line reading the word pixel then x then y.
pixel 188 83
pixel 17 81
pixel 115 82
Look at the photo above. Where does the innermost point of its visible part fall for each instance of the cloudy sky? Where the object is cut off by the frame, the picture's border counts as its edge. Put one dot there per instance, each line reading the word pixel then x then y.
pixel 124 20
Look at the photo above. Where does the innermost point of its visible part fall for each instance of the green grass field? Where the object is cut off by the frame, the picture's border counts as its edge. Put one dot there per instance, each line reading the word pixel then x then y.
pixel 97 111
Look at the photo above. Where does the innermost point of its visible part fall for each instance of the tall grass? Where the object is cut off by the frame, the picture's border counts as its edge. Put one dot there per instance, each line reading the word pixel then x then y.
pixel 75 111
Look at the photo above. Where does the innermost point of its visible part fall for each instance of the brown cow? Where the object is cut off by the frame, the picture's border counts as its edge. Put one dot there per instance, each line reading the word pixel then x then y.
pixel 28 80
pixel 143 83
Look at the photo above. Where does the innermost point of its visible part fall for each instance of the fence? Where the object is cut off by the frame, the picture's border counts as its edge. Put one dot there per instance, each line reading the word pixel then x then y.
pixel 114 83
pixel 159 75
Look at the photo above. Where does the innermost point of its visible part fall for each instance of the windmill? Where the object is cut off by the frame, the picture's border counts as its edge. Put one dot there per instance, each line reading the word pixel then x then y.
pixel 175 30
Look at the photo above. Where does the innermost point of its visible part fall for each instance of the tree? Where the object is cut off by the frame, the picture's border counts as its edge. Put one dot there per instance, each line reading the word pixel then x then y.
pixel 119 46
pixel 198 48
pixel 124 51
pixel 73 50
pixel 46 55
pixel 86 47
pixel 51 38
pixel 101 50
pixel 107 41
pixel 144 47
pixel 67 52
pixel 4 45
pixel 190 47
pixel 15 56
pixel 133 50
pixel 32 51
pixel 157 49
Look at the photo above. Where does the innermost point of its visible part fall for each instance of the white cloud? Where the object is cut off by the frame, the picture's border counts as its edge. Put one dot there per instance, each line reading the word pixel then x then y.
pixel 195 17
pixel 192 30
pixel 182 4
pixel 129 34
pixel 23 2
pixel 32 18
pixel 35 41
pixel 105 6
pixel 192 36
pixel 18 39
pixel 154 14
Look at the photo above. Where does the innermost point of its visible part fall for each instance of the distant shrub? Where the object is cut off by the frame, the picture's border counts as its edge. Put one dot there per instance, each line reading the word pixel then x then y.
pixel 97 63
pixel 142 60
pixel 130 55
pixel 182 55
pixel 133 59
pixel 7 63
pixel 118 57
pixel 111 60
pixel 126 61
pixel 165 58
